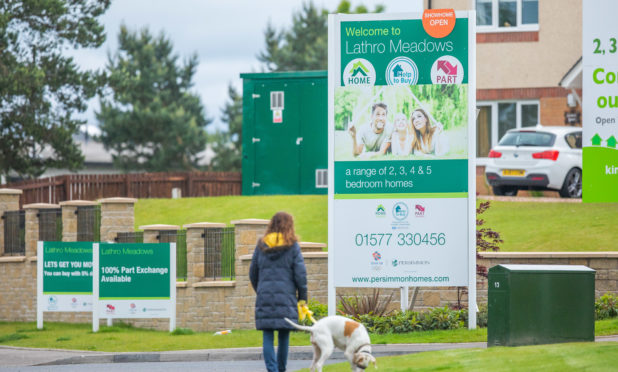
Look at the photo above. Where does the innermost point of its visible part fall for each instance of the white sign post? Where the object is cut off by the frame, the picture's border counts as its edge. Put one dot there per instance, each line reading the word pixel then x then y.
pixel 402 200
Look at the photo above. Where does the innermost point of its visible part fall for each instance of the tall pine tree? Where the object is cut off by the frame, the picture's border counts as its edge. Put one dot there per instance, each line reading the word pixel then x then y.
pixel 228 144
pixel 40 88
pixel 304 45
pixel 149 118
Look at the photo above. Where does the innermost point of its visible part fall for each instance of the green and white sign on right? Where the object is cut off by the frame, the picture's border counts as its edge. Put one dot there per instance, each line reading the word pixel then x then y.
pixel 600 101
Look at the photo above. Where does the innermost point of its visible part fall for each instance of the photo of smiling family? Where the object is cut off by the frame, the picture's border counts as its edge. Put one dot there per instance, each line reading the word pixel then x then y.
pixel 401 122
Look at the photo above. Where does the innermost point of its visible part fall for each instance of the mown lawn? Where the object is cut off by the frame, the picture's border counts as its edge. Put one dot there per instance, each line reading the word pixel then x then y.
pixel 601 356
pixel 554 227
pixel 524 226
pixel 310 211
pixel 121 337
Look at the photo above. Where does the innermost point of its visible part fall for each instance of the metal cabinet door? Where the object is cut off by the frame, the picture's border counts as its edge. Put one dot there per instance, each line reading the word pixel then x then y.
pixel 314 133
pixel 276 146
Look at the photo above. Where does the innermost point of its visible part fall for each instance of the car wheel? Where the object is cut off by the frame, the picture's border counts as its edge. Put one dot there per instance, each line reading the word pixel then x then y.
pixel 572 186
pixel 505 190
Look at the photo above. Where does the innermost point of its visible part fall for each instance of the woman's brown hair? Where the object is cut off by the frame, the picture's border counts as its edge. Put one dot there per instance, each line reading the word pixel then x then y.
pixel 416 145
pixel 283 223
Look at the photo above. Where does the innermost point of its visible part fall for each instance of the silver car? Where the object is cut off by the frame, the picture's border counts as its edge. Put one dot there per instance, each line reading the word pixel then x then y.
pixel 537 158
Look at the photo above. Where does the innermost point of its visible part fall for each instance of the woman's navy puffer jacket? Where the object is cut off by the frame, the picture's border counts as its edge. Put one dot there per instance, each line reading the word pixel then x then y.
pixel 279 277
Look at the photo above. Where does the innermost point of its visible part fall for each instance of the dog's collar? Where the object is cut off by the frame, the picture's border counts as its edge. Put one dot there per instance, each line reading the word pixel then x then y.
pixel 360 349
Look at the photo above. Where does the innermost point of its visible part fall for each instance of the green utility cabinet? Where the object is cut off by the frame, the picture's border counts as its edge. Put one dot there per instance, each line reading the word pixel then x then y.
pixel 540 304
pixel 285 133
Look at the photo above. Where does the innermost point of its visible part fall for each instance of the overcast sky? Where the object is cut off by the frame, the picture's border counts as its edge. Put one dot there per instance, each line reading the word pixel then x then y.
pixel 226 35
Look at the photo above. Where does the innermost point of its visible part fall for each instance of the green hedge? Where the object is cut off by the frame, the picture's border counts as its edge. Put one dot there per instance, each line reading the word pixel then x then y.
pixel 606 307
pixel 443 317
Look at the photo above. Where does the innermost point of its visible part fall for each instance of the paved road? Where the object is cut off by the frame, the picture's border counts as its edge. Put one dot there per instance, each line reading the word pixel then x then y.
pixel 244 359
pixel 217 360
pixel 221 366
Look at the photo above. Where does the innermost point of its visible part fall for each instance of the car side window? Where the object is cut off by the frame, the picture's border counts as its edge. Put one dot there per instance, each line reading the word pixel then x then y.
pixel 574 140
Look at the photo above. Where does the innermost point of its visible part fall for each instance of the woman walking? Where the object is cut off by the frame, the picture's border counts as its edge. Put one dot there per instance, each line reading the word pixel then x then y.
pixel 279 277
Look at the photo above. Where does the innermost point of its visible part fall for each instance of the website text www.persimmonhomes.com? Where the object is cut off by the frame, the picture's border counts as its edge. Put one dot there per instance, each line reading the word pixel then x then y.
pixel 401 279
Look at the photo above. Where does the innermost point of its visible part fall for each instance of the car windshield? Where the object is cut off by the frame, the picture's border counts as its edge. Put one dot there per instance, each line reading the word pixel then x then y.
pixel 528 139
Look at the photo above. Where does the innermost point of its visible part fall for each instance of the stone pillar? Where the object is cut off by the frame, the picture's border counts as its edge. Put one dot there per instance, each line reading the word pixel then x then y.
pixel 32 225
pixel 247 232
pixel 307 247
pixel 117 215
pixel 9 201
pixel 195 249
pixel 69 218
pixel 152 232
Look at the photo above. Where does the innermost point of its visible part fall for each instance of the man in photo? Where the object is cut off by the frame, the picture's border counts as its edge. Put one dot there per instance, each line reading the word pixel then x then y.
pixel 373 139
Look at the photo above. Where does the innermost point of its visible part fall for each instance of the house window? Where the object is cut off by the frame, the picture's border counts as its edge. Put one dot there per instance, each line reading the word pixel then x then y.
pixel 507 15
pixel 496 118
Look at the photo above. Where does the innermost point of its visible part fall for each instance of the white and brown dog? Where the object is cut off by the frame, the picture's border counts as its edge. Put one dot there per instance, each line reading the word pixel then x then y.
pixel 345 334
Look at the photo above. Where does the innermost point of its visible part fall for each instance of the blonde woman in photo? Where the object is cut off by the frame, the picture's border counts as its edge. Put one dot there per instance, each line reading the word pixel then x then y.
pixel 428 139
pixel 401 140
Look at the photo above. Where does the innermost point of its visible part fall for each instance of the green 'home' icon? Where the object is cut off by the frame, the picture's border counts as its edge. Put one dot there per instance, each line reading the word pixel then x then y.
pixel 596 140
pixel 359 68
pixel 611 142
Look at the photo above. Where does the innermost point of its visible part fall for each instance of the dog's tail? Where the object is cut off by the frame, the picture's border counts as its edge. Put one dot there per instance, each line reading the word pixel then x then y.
pixel 298 326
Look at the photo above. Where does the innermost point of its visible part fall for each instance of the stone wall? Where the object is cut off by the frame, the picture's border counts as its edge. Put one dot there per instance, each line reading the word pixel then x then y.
pixel 208 305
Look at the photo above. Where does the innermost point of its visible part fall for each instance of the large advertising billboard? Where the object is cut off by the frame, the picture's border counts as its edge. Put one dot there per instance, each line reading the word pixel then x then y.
pixel 401 149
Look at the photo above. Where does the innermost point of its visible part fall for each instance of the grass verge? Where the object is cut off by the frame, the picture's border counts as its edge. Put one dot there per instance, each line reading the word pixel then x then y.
pixel 524 226
pixel 122 337
pixel 556 357
pixel 310 211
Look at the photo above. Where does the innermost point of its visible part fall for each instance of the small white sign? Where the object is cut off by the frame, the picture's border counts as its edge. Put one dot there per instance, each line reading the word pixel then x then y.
pixel 277 116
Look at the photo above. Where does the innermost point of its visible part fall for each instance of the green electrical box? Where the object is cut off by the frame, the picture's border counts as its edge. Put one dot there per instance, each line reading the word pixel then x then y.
pixel 285 133
pixel 540 304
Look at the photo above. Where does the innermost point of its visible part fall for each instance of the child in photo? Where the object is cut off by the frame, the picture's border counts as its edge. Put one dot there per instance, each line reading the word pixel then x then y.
pixel 401 140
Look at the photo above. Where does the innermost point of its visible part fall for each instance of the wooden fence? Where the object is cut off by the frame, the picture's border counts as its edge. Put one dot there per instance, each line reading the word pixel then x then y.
pixel 134 185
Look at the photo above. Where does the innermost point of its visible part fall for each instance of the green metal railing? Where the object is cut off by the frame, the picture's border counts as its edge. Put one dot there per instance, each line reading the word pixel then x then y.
pixel 219 253
pixel 180 238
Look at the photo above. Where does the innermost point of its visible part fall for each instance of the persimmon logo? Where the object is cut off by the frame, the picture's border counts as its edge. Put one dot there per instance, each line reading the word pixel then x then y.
pixel 359 71
pixel 447 70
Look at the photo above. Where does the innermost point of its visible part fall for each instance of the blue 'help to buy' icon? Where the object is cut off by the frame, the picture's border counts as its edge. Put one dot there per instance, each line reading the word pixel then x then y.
pixel 400 211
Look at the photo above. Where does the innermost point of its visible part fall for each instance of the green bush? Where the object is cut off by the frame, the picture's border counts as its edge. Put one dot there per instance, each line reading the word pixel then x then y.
pixel 481 316
pixel 407 321
pixel 411 321
pixel 355 306
pixel 606 307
